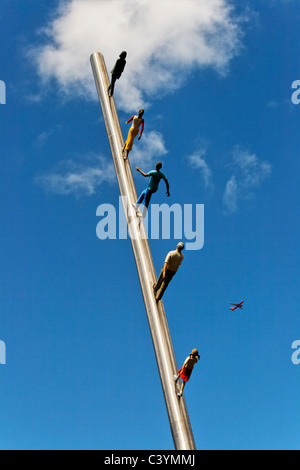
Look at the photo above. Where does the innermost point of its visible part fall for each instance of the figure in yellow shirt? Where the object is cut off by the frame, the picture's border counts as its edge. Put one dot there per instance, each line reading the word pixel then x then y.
pixel 137 123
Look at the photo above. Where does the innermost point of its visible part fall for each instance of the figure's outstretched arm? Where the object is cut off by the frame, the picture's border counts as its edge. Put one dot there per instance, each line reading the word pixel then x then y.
pixel 168 188
pixel 140 171
pixel 129 120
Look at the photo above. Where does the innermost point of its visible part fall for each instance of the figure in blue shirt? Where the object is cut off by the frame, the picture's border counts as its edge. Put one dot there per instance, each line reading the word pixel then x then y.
pixel 155 177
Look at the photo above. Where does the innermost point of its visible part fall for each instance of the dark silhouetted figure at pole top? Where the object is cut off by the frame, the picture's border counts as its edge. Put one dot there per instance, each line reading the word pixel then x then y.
pixel 155 177
pixel 170 268
pixel 117 72
pixel 186 370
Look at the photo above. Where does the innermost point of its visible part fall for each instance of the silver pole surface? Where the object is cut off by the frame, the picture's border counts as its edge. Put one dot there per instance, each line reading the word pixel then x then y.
pixel 165 357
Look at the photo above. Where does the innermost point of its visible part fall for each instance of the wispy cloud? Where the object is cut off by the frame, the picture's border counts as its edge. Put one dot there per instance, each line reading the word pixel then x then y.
pixel 42 138
pixel 249 172
pixel 231 195
pixel 149 149
pixel 197 162
pixel 165 41
pixel 273 104
pixel 83 178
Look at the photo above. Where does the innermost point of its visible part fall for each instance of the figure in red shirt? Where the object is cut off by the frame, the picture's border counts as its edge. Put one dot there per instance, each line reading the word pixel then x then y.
pixel 186 370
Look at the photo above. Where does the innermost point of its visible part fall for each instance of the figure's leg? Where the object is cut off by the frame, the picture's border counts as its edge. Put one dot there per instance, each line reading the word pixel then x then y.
pixel 161 290
pixel 132 133
pixel 112 85
pixel 182 388
pixel 159 281
pixel 141 198
pixel 148 197
pixel 164 285
pixel 148 194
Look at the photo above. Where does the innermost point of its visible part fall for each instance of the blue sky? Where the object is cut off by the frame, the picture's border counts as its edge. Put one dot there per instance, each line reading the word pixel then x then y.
pixel 215 80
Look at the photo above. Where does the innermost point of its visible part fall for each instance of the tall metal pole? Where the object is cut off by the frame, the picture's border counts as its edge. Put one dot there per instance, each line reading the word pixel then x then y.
pixel 165 357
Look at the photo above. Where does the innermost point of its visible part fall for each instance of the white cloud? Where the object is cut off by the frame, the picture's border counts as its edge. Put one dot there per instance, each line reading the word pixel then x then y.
pixel 87 176
pixel 78 178
pixel 42 138
pixel 148 150
pixel 231 195
pixel 249 173
pixel 197 162
pixel 252 171
pixel 165 41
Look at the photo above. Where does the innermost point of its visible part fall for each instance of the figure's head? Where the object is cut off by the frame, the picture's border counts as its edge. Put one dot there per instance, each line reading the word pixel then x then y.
pixel 195 353
pixel 180 247
pixel 141 112
pixel 123 55
pixel 158 166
